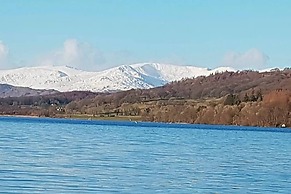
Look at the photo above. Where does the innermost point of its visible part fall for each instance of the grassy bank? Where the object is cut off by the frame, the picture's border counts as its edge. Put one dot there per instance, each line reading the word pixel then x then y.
pixel 91 117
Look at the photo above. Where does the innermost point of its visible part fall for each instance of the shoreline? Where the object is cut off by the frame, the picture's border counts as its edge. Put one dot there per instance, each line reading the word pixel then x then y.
pixel 137 119
pixel 22 116
pixel 81 117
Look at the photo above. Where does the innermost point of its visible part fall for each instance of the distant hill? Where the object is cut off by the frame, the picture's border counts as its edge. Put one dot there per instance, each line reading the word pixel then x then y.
pixel 221 84
pixel 13 91
pixel 125 77
pixel 213 86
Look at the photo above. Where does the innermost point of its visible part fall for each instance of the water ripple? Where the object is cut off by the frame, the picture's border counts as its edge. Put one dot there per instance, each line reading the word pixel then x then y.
pixel 41 156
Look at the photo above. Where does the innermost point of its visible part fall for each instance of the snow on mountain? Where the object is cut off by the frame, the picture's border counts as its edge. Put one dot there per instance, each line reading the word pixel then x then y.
pixel 168 73
pixel 125 77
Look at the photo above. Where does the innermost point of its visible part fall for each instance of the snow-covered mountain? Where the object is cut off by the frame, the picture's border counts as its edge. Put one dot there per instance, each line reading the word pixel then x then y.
pixel 125 77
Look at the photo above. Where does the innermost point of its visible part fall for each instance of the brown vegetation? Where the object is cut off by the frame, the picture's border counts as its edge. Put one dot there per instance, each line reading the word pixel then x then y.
pixel 234 98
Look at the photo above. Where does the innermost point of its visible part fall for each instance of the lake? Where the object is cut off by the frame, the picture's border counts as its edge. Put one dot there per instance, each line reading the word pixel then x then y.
pixel 40 155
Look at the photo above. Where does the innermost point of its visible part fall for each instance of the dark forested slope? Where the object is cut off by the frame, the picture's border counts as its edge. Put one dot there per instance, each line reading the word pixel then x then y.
pixel 13 91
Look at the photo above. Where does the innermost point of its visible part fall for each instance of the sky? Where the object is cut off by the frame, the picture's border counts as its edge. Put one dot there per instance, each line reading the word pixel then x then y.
pixel 99 34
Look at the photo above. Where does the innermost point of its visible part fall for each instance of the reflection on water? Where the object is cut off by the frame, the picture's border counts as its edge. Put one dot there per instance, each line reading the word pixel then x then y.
pixel 57 156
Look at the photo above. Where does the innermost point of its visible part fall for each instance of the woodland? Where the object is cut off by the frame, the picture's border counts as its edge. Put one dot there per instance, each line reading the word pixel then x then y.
pixel 248 98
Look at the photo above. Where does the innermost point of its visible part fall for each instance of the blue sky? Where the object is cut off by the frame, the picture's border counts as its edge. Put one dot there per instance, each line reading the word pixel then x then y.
pixel 98 34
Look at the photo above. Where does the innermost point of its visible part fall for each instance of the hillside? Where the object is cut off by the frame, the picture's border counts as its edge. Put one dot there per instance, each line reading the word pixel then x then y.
pixel 213 86
pixel 13 91
pixel 234 98
pixel 40 105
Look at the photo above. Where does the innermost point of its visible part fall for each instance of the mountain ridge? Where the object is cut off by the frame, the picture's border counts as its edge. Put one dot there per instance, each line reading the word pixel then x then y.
pixel 124 77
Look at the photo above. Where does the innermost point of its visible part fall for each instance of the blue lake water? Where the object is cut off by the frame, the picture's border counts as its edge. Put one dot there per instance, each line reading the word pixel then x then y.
pixel 74 156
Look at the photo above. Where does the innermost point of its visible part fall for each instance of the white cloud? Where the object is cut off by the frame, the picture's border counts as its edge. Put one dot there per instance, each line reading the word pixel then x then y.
pixel 3 51
pixel 76 54
pixel 83 56
pixel 253 58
